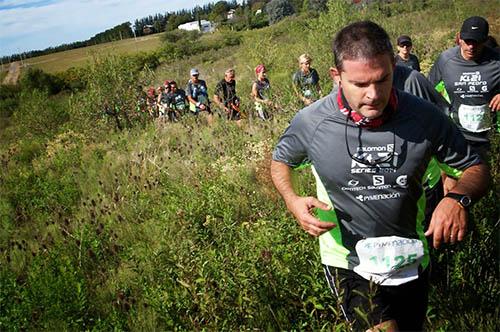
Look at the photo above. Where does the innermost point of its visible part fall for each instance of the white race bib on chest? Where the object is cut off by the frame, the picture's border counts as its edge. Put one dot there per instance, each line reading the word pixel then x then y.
pixel 475 118
pixel 389 260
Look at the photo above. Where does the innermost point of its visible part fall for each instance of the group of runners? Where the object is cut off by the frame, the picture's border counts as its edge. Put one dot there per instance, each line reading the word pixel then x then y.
pixel 169 102
pixel 378 145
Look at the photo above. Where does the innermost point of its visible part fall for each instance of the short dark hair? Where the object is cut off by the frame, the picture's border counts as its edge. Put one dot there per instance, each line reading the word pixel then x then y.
pixel 361 40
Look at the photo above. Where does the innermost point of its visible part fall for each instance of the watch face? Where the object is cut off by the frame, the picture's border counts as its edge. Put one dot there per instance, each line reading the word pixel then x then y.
pixel 465 201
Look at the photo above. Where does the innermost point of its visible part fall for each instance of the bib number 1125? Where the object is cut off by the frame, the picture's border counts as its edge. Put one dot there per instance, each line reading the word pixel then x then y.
pixel 394 261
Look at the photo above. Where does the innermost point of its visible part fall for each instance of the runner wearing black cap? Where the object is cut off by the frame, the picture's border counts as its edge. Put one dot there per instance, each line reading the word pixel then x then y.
pixel 404 57
pixel 470 75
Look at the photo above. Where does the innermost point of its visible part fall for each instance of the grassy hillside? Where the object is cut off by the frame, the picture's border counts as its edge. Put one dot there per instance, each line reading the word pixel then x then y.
pixel 61 61
pixel 178 227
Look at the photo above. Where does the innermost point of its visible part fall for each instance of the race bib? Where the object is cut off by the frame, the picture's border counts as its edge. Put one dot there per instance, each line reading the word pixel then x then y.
pixel 162 109
pixel 389 260
pixel 180 106
pixel 474 118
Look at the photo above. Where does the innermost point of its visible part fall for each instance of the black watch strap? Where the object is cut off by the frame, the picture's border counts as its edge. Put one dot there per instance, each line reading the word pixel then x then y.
pixel 463 200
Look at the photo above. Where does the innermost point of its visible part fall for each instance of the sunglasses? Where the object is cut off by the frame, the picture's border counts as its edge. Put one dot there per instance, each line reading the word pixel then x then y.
pixel 380 162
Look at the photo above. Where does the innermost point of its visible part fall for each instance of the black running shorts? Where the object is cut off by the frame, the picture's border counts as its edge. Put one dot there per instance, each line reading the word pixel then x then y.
pixel 406 303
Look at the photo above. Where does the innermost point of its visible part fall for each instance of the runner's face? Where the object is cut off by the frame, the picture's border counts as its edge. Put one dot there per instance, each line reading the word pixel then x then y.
pixel 470 49
pixel 229 77
pixel 305 66
pixel 194 78
pixel 404 49
pixel 262 75
pixel 367 84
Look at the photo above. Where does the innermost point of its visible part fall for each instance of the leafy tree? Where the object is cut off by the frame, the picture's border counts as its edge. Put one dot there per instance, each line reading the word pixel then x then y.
pixel 314 5
pixel 219 11
pixel 278 10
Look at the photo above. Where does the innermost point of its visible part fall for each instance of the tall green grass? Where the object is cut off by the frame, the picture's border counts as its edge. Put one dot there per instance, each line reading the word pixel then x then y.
pixel 178 227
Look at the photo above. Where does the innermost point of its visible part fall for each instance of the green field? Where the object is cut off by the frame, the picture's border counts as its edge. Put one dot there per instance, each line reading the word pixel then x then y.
pixel 57 62
pixel 177 226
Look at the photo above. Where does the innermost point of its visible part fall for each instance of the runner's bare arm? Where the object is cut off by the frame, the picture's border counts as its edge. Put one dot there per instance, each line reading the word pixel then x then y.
pixel 255 94
pixel 191 99
pixel 300 207
pixel 449 220
pixel 218 100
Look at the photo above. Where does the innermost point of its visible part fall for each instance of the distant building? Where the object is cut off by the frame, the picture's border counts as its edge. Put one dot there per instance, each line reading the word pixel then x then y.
pixel 230 14
pixel 206 26
pixel 147 29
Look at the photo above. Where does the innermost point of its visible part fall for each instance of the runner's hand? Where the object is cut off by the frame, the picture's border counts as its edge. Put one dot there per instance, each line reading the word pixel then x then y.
pixel 448 223
pixel 301 208
pixel 495 103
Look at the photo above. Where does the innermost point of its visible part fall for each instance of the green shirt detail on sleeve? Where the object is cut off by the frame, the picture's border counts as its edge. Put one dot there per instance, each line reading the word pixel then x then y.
pixel 440 87
pixel 453 172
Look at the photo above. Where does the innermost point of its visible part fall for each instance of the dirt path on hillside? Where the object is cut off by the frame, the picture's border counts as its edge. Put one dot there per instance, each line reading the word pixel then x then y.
pixel 13 74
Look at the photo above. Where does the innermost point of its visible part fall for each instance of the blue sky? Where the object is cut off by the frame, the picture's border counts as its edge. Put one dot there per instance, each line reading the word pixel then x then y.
pixel 38 24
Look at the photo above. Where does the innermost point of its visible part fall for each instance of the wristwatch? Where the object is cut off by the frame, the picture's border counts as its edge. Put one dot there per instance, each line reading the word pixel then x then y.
pixel 463 200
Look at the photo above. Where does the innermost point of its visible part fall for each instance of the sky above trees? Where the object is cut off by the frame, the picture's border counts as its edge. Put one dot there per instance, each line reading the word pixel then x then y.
pixel 38 24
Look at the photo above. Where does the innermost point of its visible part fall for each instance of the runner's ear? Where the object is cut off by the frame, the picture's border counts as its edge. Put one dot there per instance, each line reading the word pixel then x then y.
pixel 335 74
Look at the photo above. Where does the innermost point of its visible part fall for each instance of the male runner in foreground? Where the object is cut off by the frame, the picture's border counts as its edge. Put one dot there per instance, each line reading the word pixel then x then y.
pixel 369 146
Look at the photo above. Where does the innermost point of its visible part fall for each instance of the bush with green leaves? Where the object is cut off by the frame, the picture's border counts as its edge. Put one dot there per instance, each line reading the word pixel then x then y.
pixel 278 10
pixel 9 100
pixel 37 79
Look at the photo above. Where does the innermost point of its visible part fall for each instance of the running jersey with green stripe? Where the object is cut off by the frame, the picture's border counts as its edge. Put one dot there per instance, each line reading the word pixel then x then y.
pixel 382 199
pixel 470 85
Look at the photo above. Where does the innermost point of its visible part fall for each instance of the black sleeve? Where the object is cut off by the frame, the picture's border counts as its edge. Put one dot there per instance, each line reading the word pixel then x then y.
pixel 417 64
pixel 315 76
pixel 219 89
pixel 188 89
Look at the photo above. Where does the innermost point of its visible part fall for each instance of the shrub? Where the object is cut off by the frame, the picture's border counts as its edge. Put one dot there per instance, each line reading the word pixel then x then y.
pixel 9 100
pixel 35 78
pixel 278 10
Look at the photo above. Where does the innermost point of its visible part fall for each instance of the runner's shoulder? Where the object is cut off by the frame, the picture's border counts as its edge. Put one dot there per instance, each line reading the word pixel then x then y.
pixel 491 55
pixel 449 54
pixel 320 110
pixel 418 110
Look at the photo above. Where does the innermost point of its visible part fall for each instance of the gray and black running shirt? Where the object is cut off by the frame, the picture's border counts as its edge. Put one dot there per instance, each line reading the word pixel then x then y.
pixel 470 83
pixel 385 199
pixel 306 83
pixel 412 62
pixel 413 82
pixel 198 91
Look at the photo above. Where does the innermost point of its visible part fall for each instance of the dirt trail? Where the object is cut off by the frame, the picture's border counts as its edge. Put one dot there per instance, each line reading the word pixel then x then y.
pixel 13 74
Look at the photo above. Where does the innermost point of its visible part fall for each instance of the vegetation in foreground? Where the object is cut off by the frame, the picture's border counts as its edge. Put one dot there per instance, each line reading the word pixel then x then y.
pixel 178 227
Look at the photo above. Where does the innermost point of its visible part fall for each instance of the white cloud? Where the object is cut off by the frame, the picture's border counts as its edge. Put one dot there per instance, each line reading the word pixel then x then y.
pixel 66 21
